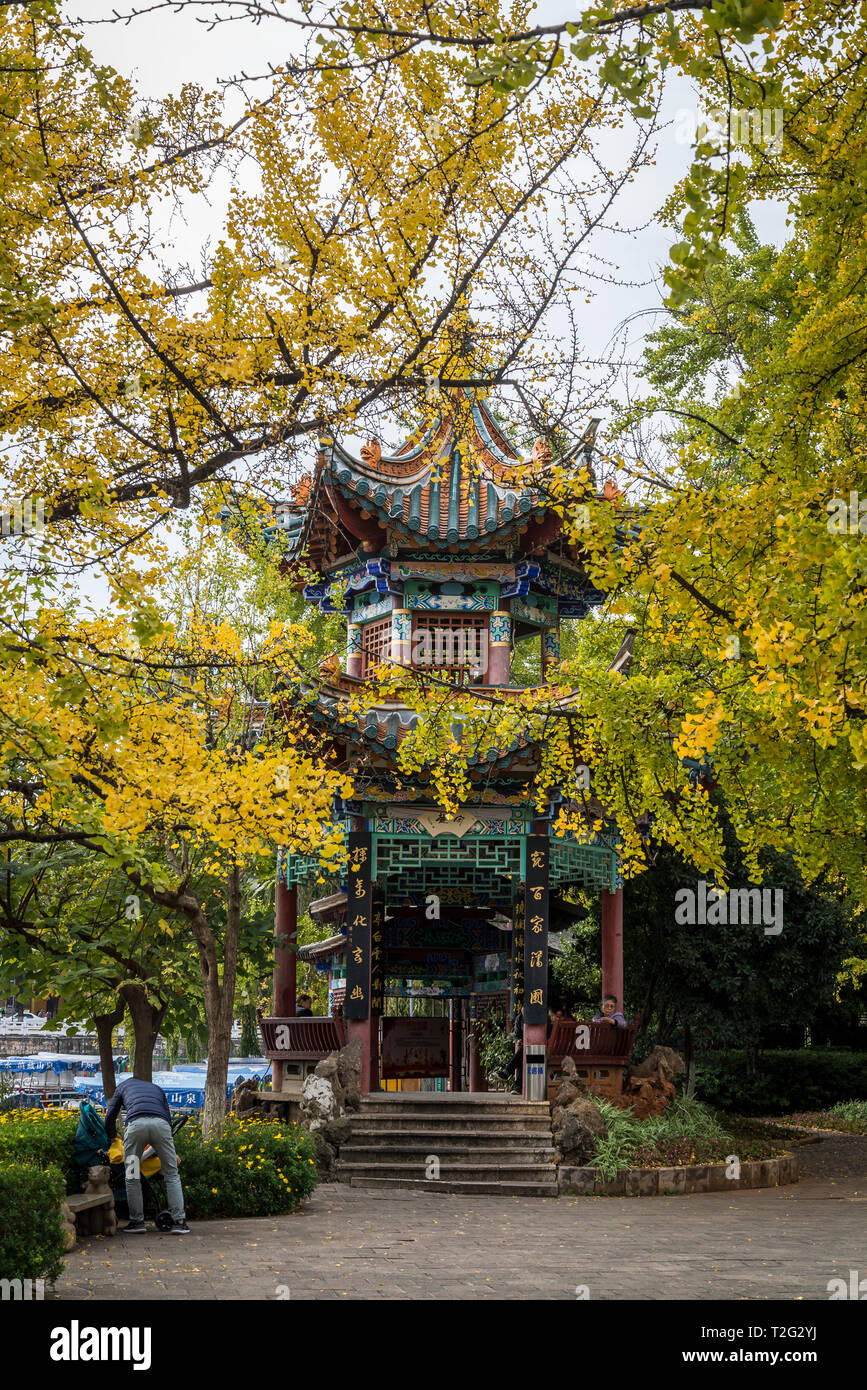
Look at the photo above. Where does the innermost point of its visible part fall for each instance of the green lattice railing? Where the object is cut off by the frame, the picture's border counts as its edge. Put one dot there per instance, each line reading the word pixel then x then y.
pixel 482 866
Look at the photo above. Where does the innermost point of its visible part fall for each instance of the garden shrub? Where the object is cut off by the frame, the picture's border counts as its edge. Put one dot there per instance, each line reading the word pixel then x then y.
pixel 255 1168
pixel 41 1138
pixel 803 1079
pixel 31 1228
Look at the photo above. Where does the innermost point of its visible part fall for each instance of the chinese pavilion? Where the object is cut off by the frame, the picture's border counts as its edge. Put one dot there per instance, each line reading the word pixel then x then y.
pixel 440 557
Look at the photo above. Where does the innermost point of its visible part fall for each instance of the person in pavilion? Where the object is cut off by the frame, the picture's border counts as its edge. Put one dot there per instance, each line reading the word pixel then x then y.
pixel 610 1012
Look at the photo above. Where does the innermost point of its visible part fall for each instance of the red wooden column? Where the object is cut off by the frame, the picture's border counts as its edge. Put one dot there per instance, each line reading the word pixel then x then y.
pixel 454 1047
pixel 478 1081
pixel 285 924
pixel 612 944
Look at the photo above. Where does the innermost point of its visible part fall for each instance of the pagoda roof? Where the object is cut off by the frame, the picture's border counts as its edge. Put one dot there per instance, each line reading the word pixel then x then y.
pixel 456 483
pixel 454 480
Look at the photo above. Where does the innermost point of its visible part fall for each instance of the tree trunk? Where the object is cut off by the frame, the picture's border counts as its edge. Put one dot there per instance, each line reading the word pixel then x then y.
pixel 220 1007
pixel 689 1061
pixel 105 1025
pixel 146 1020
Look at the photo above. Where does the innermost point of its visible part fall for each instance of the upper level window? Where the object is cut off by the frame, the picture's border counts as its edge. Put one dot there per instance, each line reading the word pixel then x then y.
pixel 454 644
pixel 376 644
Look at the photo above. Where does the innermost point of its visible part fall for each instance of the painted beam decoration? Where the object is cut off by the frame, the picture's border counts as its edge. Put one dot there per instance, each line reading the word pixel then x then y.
pixel 359 919
pixel 536 930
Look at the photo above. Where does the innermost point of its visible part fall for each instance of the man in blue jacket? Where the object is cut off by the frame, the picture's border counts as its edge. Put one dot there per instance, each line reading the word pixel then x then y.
pixel 147 1121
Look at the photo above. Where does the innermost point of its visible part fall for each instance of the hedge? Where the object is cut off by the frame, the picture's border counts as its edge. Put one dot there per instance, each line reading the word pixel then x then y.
pixel 803 1079
pixel 41 1138
pixel 31 1228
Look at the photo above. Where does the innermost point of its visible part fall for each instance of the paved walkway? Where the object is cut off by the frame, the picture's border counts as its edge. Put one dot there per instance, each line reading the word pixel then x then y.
pixel 780 1243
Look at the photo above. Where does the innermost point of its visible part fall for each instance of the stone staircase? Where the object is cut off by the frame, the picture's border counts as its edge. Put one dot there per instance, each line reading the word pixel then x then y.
pixel 485 1144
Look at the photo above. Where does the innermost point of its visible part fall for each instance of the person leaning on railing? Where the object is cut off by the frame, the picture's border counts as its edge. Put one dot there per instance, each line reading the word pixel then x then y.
pixel 610 1012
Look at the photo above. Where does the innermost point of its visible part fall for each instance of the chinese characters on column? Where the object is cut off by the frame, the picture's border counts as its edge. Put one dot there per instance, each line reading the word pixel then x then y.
pixel 517 957
pixel 536 931
pixel 377 954
pixel 359 917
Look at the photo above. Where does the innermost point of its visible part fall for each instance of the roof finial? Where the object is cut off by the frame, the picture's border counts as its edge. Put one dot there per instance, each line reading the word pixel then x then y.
pixel 371 451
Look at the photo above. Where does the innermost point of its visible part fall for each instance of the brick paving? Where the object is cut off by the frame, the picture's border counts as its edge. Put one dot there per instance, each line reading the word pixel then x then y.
pixel 347 1243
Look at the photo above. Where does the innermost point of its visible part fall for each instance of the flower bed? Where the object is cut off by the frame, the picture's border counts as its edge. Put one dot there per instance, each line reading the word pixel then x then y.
pixel 258 1167
pixel 41 1138
pixel 678 1153
pixel 848 1117
pixel 688 1133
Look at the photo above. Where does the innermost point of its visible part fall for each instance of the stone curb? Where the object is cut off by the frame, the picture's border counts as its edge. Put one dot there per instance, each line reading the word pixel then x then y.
pixel 671 1182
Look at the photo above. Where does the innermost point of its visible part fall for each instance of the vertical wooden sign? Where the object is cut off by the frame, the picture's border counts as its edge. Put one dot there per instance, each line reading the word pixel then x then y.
pixel 536 930
pixel 359 918
pixel 377 954
pixel 517 960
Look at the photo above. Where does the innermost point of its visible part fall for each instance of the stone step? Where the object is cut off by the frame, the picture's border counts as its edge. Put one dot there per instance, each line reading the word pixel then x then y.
pixel 451 1153
pixel 463 1187
pixel 479 1104
pixel 417 1136
pixel 451 1172
pixel 448 1125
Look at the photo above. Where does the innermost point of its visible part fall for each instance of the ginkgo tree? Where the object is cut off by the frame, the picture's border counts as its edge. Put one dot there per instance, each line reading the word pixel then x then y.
pixel 733 551
pixel 150 763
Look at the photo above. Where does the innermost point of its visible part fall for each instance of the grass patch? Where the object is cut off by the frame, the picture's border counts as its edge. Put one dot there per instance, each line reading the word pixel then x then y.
pixel 689 1132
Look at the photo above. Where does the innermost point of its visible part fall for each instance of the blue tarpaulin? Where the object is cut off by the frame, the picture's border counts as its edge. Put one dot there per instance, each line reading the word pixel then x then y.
pixel 184 1088
pixel 53 1061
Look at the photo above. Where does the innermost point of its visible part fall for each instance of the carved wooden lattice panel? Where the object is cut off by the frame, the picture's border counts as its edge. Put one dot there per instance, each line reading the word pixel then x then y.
pixel 456 643
pixel 376 640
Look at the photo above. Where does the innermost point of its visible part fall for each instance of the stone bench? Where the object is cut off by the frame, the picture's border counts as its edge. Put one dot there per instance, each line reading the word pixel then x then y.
pixel 91 1212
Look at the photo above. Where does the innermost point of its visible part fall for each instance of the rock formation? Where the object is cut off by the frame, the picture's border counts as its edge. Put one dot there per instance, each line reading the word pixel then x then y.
pixel 577 1124
pixel 333 1089
pixel 650 1085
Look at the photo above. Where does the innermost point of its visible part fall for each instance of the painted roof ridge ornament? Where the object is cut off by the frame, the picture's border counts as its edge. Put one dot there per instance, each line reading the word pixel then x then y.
pixel 541 453
pixel 371 451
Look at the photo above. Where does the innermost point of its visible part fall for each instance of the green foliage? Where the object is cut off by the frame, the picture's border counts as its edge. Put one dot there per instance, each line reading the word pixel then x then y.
pixel 853 1111
pixel 250 1041
pixel 43 1139
pixel 255 1168
pixel 578 971
pixel 31 1229
pixel 807 1079
pixel 684 1120
pixel 496 1048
